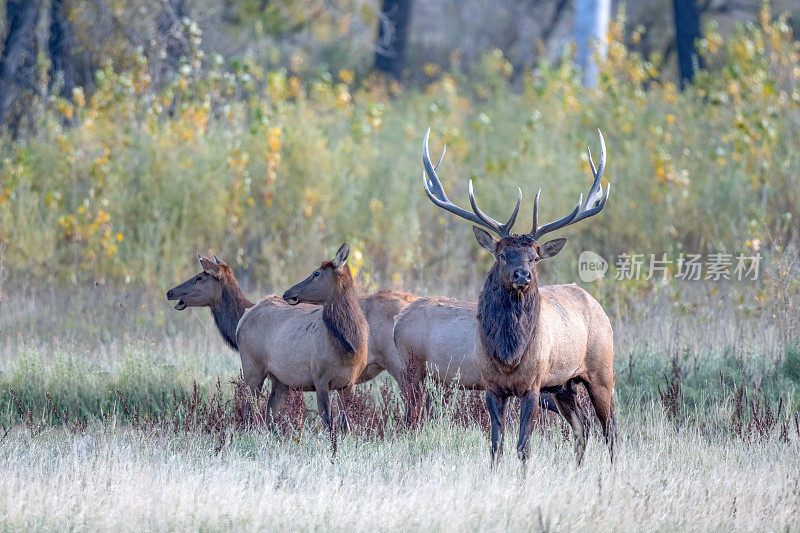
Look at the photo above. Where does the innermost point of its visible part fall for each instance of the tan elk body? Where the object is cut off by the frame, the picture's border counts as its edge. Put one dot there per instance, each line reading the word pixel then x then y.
pixel 381 309
pixel 216 287
pixel 530 339
pixel 307 347
pixel 572 338
pixel 293 344
pixel 436 336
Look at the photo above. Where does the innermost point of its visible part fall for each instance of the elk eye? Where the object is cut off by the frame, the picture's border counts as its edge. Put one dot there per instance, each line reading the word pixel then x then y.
pixel 502 257
pixel 199 278
pixel 316 274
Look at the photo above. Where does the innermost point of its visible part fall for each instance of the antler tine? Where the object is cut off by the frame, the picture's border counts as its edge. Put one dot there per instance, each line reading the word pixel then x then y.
pixel 597 189
pixel 439 162
pixel 513 218
pixel 435 192
pixel 430 171
pixel 538 231
pixel 595 198
pixel 501 229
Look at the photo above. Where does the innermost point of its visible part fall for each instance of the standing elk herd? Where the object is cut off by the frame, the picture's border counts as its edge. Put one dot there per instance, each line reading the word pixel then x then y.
pixel 539 344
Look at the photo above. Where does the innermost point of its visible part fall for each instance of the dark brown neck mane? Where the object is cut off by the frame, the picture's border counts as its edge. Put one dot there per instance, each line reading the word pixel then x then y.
pixel 507 319
pixel 229 309
pixel 343 317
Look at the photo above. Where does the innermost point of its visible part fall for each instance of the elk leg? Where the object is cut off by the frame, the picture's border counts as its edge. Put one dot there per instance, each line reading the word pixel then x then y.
pixel 275 402
pixel 603 403
pixel 324 406
pixel 611 432
pixel 565 399
pixel 345 395
pixel 395 368
pixel 398 370
pixel 254 377
pixel 428 397
pixel 497 403
pixel 527 418
pixel 415 393
pixel 547 402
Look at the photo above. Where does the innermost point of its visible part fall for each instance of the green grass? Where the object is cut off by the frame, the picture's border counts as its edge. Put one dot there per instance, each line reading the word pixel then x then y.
pixel 73 388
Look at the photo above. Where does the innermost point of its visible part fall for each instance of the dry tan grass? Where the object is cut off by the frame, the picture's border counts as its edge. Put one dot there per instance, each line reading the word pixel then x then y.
pixel 114 477
pixel 436 479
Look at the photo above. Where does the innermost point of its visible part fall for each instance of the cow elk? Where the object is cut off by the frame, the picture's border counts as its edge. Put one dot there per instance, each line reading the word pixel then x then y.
pixel 381 309
pixel 531 339
pixel 215 287
pixel 307 347
pixel 436 336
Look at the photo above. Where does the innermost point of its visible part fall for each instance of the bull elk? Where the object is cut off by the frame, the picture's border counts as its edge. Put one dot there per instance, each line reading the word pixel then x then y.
pixel 307 347
pixel 531 339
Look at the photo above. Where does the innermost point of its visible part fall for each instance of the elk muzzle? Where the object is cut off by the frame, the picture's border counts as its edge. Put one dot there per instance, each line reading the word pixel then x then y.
pixel 521 278
pixel 290 298
pixel 181 305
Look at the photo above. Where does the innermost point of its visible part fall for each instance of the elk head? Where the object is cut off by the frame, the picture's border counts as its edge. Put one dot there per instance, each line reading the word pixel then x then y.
pixel 203 289
pixel 516 256
pixel 324 283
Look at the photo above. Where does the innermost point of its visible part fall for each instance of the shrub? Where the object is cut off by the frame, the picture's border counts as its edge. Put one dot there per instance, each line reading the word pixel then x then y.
pixel 790 366
pixel 265 167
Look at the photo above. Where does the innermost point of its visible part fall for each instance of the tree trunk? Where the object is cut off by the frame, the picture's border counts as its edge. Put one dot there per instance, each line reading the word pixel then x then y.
pixel 60 46
pixel 171 35
pixel 390 50
pixel 687 31
pixel 591 35
pixel 17 62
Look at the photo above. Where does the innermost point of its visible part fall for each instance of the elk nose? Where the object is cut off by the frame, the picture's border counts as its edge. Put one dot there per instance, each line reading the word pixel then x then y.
pixel 521 277
pixel 169 294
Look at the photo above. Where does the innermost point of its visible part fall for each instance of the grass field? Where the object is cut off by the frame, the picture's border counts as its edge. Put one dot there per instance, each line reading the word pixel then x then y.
pixel 117 412
pixel 436 478
pixel 141 430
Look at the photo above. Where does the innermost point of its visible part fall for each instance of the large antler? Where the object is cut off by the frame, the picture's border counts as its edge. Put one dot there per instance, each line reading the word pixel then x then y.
pixel 596 199
pixel 435 191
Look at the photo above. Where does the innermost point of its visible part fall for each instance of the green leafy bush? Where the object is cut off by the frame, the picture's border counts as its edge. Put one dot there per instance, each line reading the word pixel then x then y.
pixel 267 169
pixel 790 366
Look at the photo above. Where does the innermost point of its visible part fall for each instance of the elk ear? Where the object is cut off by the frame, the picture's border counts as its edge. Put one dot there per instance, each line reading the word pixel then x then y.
pixel 218 261
pixel 551 248
pixel 209 267
pixel 341 256
pixel 486 241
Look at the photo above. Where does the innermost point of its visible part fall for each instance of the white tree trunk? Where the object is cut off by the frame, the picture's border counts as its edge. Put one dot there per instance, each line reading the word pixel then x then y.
pixel 591 28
